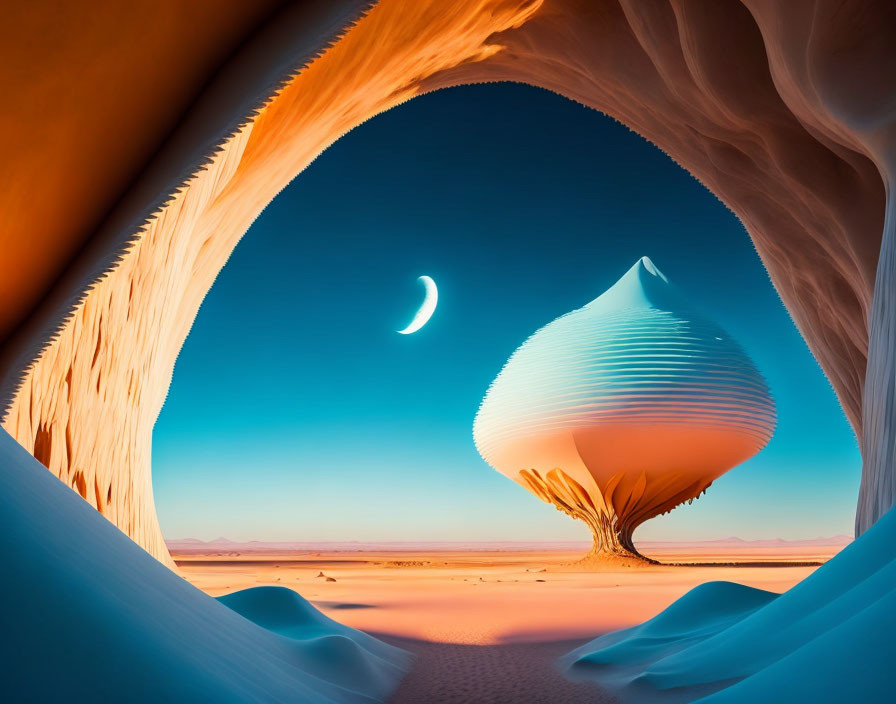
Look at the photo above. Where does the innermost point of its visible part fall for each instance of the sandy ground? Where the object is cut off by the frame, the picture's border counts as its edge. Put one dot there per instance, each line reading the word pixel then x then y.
pixel 513 673
pixel 483 598
pixel 488 626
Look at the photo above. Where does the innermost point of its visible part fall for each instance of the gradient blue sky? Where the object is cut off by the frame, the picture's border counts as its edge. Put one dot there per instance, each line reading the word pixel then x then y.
pixel 297 413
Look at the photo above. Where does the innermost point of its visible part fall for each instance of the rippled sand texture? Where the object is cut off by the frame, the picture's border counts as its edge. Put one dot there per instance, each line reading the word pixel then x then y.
pixel 493 597
pixel 488 626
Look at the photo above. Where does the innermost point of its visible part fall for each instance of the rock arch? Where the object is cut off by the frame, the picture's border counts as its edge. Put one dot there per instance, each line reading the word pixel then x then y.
pixel 792 129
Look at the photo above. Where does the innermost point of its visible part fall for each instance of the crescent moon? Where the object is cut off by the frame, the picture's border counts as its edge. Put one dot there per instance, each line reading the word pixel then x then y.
pixel 427 308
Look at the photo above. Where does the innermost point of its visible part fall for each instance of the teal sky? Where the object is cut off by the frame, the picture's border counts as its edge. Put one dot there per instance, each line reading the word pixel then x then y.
pixel 297 413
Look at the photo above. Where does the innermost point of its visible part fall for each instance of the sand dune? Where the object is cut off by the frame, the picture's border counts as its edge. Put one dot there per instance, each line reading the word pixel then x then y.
pixel 110 623
pixel 327 650
pixel 749 645
pixel 487 597
pixel 488 625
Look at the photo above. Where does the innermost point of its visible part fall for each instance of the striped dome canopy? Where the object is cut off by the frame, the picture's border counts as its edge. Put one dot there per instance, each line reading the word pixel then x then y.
pixel 625 407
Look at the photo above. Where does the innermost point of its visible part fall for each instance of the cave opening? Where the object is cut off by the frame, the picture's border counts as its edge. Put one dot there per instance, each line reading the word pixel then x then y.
pixel 297 412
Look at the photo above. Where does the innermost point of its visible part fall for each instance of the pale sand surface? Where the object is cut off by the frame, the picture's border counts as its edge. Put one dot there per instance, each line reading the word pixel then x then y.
pixel 487 598
pixel 483 625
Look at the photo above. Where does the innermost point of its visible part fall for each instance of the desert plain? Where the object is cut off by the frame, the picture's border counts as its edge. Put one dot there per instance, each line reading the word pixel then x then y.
pixel 488 622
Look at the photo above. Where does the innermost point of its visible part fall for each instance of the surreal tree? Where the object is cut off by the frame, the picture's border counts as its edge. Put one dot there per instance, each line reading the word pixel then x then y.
pixel 624 409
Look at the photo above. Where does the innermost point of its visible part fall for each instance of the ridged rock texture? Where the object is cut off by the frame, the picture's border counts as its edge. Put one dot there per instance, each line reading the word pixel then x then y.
pixel 624 409
pixel 784 110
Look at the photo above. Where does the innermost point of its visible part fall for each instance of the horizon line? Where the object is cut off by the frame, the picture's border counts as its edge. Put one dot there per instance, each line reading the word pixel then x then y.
pixel 837 538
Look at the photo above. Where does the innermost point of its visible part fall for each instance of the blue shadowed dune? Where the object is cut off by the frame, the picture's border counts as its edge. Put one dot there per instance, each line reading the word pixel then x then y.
pixel 828 639
pixel 327 649
pixel 112 624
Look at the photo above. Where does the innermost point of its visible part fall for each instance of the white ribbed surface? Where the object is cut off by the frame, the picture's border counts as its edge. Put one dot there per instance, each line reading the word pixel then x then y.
pixel 637 355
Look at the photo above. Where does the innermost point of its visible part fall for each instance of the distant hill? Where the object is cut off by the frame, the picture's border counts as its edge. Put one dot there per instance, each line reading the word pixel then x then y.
pixel 185 545
pixel 835 540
